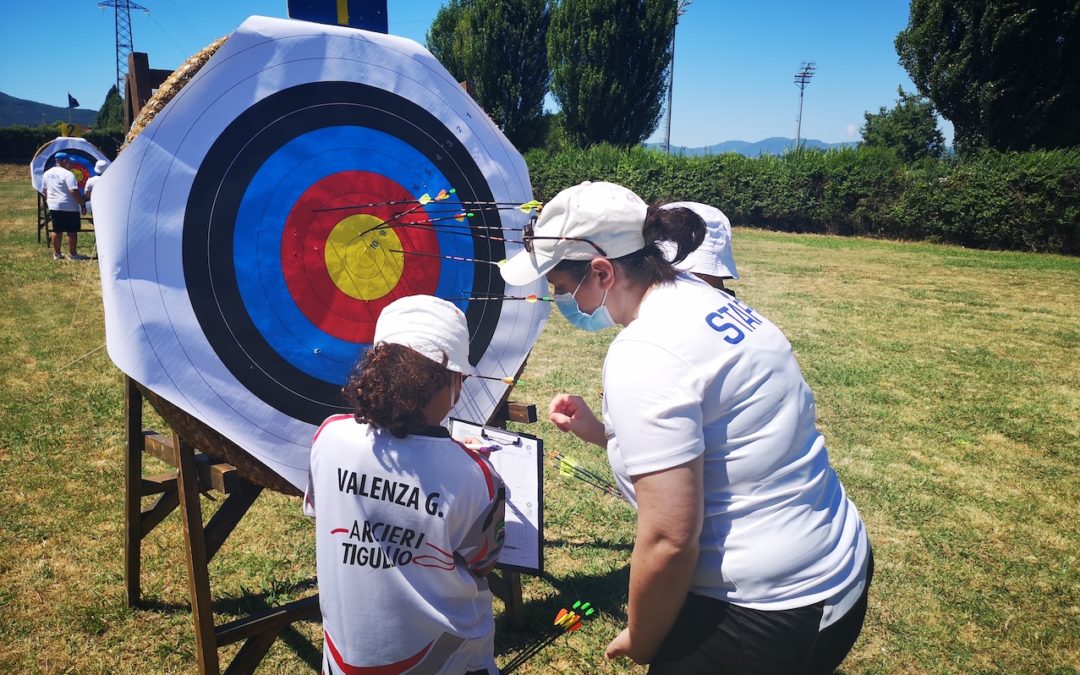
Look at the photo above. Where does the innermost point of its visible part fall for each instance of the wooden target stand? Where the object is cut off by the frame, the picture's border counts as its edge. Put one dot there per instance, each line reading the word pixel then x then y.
pixel 196 473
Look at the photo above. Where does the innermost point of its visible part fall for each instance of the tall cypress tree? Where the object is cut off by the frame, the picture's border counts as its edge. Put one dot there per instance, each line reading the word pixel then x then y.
pixel 448 37
pixel 609 61
pixel 110 116
pixel 509 66
pixel 501 49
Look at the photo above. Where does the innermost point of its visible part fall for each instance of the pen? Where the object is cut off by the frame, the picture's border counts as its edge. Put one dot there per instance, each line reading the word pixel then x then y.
pixel 486 449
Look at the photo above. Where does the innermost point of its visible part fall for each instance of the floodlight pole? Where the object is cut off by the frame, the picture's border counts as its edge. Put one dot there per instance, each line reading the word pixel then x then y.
pixel 683 4
pixel 123 36
pixel 802 78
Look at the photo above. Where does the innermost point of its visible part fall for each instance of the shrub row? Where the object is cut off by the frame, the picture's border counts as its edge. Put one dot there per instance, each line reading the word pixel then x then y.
pixel 19 143
pixel 1019 201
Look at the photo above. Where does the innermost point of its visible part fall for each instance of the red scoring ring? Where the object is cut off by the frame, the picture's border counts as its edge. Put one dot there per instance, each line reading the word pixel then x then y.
pixel 303 245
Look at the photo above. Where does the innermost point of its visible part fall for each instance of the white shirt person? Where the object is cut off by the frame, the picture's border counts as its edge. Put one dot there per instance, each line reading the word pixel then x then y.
pixel 748 553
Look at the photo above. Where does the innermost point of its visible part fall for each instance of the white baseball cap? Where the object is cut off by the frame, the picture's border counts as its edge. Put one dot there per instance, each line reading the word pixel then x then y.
pixel 608 215
pixel 101 165
pixel 430 326
pixel 714 256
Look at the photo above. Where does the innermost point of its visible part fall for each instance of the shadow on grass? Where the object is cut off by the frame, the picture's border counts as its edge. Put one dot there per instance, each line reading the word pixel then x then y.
pixel 246 604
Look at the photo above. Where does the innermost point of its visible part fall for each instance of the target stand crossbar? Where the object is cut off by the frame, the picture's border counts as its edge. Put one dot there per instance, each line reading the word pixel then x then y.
pixel 196 474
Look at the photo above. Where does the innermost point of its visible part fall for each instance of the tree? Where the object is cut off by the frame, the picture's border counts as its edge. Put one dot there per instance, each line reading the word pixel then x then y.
pixel 1006 73
pixel 508 65
pixel 448 37
pixel 110 116
pixel 910 128
pixel 501 49
pixel 609 62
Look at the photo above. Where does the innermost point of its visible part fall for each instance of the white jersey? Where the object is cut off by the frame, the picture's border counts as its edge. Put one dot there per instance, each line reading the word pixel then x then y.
pixel 401 526
pixel 700 372
pixel 88 191
pixel 57 184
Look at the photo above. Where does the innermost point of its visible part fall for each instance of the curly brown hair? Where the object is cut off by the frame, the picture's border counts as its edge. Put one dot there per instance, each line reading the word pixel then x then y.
pixel 390 387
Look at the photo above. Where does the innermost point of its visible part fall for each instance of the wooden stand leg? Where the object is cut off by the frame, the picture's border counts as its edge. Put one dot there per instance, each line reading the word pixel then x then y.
pixel 506 586
pixel 197 561
pixel 132 491
pixel 515 607
pixel 41 215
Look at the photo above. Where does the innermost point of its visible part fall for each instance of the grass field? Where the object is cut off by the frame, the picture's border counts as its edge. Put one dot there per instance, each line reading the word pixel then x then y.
pixel 947 383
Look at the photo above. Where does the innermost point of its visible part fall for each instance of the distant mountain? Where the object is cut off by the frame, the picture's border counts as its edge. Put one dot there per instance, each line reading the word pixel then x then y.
pixel 31 113
pixel 776 145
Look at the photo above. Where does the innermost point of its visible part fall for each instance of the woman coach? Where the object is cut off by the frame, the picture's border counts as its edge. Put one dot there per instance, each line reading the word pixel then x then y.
pixel 748 554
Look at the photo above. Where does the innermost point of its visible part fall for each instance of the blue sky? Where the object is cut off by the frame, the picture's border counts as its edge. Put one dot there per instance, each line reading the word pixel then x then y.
pixel 734 62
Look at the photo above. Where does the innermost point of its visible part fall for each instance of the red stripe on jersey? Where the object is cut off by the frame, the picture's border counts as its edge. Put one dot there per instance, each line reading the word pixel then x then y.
pixel 483 467
pixel 388 669
pixel 479 556
pixel 328 420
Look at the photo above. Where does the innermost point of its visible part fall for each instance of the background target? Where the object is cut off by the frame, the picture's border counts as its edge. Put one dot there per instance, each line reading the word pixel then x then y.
pixel 83 153
pixel 255 230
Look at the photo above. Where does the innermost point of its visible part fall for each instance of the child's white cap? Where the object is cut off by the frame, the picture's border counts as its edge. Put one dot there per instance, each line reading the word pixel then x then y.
pixel 430 326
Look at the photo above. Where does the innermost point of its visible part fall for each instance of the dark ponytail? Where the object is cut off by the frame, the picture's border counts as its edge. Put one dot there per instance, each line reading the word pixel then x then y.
pixel 679 225
pixel 648 266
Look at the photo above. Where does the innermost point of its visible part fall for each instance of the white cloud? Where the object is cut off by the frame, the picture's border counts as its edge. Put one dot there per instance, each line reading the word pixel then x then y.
pixel 852 130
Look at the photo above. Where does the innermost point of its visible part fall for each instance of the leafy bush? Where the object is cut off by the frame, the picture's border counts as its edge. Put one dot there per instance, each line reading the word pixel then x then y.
pixel 19 143
pixel 1020 201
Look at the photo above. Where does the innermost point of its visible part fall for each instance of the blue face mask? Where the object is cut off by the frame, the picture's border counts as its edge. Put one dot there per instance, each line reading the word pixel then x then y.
pixel 598 320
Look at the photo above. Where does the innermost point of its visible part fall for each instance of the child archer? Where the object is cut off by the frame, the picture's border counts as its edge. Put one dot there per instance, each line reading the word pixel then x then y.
pixel 408 521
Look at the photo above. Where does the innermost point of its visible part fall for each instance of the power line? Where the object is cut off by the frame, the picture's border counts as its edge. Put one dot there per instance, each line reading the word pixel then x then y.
pixel 123 35
pixel 802 78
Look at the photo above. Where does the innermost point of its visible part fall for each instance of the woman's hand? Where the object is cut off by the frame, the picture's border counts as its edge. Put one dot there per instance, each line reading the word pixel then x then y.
pixel 572 413
pixel 621 646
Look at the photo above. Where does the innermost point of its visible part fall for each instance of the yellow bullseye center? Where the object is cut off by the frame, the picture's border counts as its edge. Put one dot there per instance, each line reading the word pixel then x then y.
pixel 360 257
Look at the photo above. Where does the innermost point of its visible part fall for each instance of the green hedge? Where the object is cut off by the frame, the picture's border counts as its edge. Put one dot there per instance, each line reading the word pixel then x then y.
pixel 19 143
pixel 1021 201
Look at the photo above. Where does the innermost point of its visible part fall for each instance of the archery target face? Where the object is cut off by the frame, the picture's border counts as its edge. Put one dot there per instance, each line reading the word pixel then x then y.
pixel 286 279
pixel 82 165
pixel 305 178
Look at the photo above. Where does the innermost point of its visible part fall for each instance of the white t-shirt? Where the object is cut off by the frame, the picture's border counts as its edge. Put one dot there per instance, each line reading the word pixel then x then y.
pixel 88 191
pixel 57 184
pixel 401 525
pixel 701 372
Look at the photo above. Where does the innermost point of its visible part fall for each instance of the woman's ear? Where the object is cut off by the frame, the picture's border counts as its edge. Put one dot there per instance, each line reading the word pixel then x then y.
pixel 605 272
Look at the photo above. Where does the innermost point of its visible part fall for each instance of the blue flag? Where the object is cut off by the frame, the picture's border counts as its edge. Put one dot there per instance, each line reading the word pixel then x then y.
pixel 365 14
pixel 72 103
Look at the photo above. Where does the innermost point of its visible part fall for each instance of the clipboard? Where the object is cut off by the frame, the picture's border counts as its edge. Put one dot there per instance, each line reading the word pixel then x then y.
pixel 519 460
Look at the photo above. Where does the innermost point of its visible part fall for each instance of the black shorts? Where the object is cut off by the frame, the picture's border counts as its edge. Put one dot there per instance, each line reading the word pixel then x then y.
pixel 711 636
pixel 64 221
